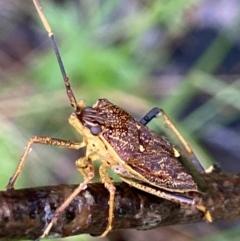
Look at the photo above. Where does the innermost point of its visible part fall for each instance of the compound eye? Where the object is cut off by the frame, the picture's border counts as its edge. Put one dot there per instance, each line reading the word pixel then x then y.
pixel 95 130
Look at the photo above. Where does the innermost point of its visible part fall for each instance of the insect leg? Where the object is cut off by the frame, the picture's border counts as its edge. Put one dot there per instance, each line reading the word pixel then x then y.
pixel 157 192
pixel 169 196
pixel 41 140
pixel 111 188
pixel 88 176
pixel 156 112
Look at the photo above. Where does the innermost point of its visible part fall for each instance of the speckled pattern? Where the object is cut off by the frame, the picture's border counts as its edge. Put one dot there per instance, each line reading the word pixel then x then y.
pixel 144 151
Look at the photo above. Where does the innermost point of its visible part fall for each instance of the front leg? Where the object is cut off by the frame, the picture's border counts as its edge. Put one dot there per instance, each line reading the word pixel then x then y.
pixel 85 165
pixel 40 140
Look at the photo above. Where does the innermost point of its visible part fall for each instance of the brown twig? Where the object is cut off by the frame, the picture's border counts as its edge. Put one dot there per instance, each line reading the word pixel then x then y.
pixel 25 212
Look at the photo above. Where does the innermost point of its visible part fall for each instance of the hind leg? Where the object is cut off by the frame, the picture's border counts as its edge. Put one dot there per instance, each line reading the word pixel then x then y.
pixel 157 112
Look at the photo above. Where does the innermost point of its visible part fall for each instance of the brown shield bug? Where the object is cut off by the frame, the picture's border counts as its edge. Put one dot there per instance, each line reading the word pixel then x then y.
pixel 139 156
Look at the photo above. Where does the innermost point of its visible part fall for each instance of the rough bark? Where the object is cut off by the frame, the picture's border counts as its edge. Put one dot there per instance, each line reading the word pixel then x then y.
pixel 24 212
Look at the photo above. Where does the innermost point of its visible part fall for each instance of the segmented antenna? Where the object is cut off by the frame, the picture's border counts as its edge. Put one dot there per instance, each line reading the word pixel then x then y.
pixel 59 59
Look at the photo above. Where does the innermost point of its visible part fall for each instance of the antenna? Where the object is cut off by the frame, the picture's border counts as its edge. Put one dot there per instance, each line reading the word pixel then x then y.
pixel 58 56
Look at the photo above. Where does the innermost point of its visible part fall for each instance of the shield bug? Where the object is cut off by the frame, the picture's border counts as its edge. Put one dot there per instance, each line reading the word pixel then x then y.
pixel 139 156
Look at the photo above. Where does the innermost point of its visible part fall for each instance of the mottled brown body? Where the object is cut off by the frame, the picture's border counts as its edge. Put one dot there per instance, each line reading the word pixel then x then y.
pixel 143 151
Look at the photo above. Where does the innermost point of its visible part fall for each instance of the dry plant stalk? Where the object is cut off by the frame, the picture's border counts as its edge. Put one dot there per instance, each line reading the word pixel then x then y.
pixel 25 212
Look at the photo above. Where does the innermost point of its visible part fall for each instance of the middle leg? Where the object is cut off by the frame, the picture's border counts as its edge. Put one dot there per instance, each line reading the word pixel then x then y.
pixel 108 183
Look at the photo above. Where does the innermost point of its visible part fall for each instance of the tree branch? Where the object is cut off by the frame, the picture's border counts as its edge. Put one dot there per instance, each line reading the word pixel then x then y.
pixel 25 212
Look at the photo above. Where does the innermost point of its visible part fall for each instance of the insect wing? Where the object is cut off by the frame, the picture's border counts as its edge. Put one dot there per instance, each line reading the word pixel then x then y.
pixel 162 170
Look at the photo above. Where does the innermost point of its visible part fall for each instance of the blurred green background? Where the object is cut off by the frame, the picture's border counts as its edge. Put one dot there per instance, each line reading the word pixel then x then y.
pixel 180 55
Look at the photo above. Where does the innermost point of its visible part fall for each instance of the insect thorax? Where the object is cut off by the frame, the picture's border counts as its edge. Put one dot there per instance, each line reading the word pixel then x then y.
pixel 125 134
